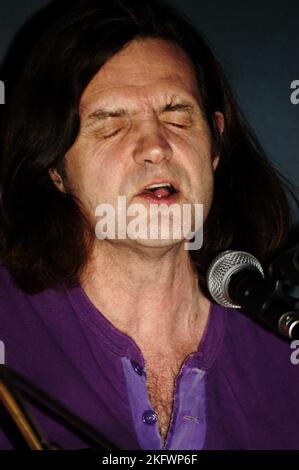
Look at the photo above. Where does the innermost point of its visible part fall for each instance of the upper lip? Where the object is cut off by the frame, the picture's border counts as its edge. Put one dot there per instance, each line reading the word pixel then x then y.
pixel 173 183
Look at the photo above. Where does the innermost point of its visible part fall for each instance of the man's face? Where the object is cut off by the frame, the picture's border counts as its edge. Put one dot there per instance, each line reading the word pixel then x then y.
pixel 142 123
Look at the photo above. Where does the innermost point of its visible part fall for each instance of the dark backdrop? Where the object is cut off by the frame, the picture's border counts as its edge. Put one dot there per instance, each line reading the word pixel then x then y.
pixel 257 42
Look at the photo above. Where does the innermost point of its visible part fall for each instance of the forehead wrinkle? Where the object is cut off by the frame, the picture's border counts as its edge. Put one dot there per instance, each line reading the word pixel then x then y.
pixel 139 66
pixel 163 102
pixel 175 103
pixel 101 84
pixel 176 81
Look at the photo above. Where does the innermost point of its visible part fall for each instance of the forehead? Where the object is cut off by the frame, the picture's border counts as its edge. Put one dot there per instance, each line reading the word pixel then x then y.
pixel 147 69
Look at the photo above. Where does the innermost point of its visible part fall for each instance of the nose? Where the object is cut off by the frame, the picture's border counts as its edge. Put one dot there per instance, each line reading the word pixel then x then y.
pixel 152 145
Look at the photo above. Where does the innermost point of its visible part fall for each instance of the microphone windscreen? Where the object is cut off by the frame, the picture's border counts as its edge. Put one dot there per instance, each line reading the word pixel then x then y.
pixel 221 270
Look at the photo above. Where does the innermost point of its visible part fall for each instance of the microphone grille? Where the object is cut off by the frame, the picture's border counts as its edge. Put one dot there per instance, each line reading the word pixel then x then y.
pixel 221 270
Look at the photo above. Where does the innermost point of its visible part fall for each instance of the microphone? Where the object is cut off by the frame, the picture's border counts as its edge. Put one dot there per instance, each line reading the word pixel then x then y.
pixel 236 279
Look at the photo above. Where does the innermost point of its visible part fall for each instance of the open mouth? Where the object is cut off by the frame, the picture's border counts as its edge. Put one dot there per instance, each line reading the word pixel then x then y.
pixel 160 192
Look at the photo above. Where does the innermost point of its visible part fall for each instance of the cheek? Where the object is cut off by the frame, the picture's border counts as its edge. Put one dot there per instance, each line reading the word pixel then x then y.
pixel 195 156
pixel 195 145
pixel 201 174
pixel 93 172
pixel 207 190
pixel 203 184
pixel 78 160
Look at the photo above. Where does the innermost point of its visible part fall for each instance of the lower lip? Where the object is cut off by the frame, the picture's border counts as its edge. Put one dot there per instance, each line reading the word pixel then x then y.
pixel 172 198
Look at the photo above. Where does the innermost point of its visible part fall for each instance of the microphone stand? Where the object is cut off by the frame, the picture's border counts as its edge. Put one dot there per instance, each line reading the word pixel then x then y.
pixel 12 384
pixel 266 302
pixel 285 268
pixel 19 414
pixel 236 279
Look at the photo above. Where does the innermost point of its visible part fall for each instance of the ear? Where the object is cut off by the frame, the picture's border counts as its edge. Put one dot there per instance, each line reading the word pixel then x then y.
pixel 219 118
pixel 57 180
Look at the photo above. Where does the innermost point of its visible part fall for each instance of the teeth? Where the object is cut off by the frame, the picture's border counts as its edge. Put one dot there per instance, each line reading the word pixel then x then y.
pixel 160 185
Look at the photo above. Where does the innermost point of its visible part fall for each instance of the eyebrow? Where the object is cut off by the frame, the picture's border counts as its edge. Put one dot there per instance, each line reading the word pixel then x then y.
pixel 101 113
pixel 177 107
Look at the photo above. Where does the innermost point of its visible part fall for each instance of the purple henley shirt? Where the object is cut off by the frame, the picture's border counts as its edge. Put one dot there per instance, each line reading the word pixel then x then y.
pixel 238 391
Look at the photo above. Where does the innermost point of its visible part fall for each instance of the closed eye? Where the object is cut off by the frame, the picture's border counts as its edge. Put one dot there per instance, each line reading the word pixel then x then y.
pixel 112 134
pixel 175 124
pixel 180 120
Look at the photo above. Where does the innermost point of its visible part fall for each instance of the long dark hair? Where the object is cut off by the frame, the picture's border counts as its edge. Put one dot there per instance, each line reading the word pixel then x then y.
pixel 45 239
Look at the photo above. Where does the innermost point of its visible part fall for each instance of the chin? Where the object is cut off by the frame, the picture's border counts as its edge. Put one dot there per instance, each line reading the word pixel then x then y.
pixel 156 243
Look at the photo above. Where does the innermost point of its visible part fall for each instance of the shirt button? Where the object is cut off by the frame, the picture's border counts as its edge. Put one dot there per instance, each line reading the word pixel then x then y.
pixel 137 368
pixel 149 417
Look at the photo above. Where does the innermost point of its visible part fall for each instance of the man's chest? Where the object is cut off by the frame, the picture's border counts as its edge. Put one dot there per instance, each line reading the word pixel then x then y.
pixel 161 377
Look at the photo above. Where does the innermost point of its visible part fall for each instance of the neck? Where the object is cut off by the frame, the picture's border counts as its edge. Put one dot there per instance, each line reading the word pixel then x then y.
pixel 152 294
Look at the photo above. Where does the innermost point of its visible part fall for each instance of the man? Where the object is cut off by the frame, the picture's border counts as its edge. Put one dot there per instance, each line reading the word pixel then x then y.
pixel 122 99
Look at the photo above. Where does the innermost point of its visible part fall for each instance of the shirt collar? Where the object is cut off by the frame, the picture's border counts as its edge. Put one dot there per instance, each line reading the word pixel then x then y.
pixel 123 345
